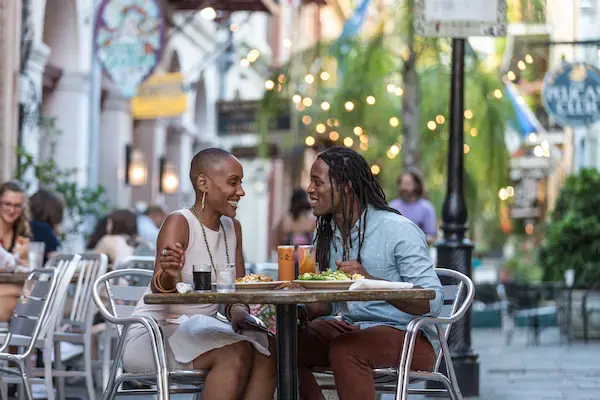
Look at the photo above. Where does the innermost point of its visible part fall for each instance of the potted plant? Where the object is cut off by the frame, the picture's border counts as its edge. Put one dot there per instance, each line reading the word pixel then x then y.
pixel 572 242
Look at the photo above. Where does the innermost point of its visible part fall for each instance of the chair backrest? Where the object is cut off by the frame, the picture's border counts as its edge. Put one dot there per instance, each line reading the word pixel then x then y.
pixel 90 267
pixel 459 292
pixel 40 303
pixel 123 294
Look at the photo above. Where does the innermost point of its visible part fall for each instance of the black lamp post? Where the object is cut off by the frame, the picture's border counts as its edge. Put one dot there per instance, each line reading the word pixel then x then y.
pixel 454 250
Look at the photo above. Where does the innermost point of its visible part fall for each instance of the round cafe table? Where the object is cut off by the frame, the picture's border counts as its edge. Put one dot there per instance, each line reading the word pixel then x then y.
pixel 9 277
pixel 287 319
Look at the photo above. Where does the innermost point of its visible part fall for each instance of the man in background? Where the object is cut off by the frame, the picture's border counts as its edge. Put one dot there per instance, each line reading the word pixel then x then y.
pixel 150 221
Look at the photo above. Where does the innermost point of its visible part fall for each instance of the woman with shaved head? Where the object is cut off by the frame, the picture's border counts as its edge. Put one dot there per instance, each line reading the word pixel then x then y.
pixel 205 233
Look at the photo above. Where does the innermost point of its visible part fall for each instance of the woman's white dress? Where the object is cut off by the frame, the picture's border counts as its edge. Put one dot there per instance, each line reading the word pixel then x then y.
pixel 189 330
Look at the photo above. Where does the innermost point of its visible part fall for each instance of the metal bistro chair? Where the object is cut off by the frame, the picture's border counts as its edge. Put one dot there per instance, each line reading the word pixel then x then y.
pixel 457 301
pixel 123 300
pixel 33 320
pixel 76 328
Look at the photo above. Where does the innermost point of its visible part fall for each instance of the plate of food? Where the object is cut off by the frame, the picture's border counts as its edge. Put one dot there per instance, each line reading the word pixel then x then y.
pixel 256 282
pixel 327 280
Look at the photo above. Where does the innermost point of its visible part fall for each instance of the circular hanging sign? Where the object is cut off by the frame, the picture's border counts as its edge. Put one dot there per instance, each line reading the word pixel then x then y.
pixel 571 94
pixel 128 40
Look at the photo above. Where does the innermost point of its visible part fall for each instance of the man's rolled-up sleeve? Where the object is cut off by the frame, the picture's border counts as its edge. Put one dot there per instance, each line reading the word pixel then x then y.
pixel 415 266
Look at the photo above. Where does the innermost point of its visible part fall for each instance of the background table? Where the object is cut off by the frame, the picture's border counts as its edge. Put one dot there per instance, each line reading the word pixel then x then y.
pixel 287 318
pixel 9 277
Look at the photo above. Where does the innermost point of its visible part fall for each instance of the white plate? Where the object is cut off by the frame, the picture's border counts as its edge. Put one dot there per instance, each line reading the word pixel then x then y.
pixel 325 285
pixel 258 285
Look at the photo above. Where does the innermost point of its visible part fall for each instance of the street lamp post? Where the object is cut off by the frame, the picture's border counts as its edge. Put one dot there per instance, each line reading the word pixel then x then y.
pixel 454 250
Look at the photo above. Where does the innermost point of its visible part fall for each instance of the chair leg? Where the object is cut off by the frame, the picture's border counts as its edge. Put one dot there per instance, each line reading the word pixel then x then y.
pixel 3 391
pixel 26 386
pixel 47 356
pixel 58 365
pixel 404 368
pixel 89 372
pixel 449 365
pixel 106 354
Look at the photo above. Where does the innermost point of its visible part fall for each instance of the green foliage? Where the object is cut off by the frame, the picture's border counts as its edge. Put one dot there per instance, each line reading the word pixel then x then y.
pixel 573 235
pixel 523 266
pixel 81 203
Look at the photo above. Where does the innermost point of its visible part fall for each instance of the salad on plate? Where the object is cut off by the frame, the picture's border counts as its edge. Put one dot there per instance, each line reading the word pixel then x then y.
pixel 329 275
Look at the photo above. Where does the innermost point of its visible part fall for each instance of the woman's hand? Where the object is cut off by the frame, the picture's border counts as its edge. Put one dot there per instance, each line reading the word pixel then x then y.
pixel 171 259
pixel 241 319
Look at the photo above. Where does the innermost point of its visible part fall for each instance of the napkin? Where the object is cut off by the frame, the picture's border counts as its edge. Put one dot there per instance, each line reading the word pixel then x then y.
pixel 372 284
pixel 184 287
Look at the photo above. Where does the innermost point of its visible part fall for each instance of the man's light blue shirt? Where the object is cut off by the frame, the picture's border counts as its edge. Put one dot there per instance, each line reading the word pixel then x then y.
pixel 394 249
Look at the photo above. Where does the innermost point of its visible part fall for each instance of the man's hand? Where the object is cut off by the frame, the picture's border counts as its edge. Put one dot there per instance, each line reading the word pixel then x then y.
pixel 352 267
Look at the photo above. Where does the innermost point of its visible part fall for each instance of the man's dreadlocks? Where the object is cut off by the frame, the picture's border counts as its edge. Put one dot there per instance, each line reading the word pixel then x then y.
pixel 348 170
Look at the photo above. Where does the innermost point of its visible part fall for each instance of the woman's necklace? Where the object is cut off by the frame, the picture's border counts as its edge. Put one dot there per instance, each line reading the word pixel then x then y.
pixel 212 263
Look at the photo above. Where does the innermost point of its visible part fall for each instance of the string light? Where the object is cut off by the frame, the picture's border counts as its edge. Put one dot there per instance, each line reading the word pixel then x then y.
pixel 358 130
pixel 234 27
pixel 349 106
pixel 391 88
pixel 333 135
pixel 521 65
pixel 325 75
pixel 287 43
pixel 364 146
pixel 253 55
pixel 244 62
pixel 399 91
pixel 310 141
pixel 208 13
pixel 336 123
pixel 529 228
pixel 395 149
pixel 466 148
pixel 306 119
pixel 431 125
pixel 391 155
pixel 375 169
pixel 370 100
pixel 309 78
pixel 473 132
pixel 468 114
pixel 300 107
pixel 320 128
pixel 529 59
pixel 502 195
pixel 325 106
pixel 307 101
pixel 348 142
pixel 511 75
pixel 498 93
pixel 269 85
pixel 440 119
pixel 394 122
pixel 520 100
pixel 510 191
pixel 532 137
pixel 296 98
pixel 281 78
pixel 363 139
pixel 330 121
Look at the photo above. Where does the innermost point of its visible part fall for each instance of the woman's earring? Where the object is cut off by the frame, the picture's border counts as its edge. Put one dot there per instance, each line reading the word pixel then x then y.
pixel 203 199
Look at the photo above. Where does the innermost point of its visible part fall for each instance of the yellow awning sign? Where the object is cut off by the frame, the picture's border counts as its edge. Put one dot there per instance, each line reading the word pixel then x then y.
pixel 161 96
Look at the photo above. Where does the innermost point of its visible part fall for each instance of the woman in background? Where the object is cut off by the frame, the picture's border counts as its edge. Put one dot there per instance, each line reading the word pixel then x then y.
pixel 298 225
pixel 47 211
pixel 15 234
pixel 115 235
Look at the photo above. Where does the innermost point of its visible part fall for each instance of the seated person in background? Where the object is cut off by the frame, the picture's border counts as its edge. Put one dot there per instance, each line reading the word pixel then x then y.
pixel 116 235
pixel 150 221
pixel 47 210
pixel 358 233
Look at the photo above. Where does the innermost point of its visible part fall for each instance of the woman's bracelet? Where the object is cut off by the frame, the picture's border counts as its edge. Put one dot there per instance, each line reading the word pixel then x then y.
pixel 231 306
pixel 157 284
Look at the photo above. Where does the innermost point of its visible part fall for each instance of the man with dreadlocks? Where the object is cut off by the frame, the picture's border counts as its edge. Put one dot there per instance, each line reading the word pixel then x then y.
pixel 358 233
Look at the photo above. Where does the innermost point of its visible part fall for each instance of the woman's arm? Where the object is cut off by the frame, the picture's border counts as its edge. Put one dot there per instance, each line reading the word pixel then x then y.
pixel 172 237
pixel 240 265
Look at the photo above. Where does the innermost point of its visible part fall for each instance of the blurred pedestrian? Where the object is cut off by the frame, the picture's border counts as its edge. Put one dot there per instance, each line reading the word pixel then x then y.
pixel 298 225
pixel 116 235
pixel 412 203
pixel 149 223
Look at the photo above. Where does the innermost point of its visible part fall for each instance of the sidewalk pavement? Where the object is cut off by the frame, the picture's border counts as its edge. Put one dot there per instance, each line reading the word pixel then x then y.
pixel 550 371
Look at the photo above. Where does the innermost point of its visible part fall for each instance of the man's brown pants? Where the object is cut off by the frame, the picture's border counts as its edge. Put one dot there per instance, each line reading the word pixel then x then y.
pixel 352 354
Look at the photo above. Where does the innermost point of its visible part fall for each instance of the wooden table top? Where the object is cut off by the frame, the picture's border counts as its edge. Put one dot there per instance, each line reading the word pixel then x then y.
pixel 9 277
pixel 287 296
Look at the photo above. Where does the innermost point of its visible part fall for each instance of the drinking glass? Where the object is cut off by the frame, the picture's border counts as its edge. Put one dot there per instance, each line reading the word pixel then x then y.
pixel 36 254
pixel 225 278
pixel 286 263
pixel 202 277
pixel 306 260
